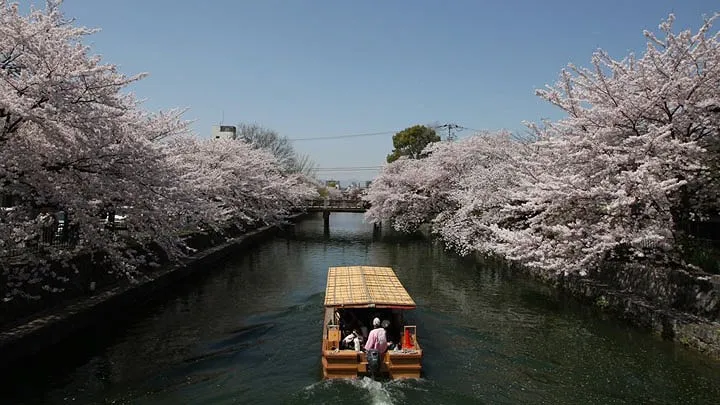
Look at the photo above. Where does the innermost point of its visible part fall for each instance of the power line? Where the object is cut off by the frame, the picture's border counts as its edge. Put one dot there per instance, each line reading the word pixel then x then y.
pixel 450 128
pixel 319 138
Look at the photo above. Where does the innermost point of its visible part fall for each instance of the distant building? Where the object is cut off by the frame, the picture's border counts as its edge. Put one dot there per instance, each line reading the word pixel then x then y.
pixel 224 132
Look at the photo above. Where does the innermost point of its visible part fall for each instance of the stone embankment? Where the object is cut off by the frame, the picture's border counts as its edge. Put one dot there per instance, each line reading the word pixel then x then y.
pixel 672 302
pixel 678 305
pixel 50 326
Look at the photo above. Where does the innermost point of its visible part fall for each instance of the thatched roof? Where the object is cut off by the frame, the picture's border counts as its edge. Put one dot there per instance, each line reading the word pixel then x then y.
pixel 365 287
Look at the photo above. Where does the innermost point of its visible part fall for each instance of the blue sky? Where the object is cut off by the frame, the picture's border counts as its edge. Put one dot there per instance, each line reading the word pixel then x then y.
pixel 327 68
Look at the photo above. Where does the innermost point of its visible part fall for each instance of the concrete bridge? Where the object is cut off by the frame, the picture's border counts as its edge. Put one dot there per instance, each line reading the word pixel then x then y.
pixel 326 206
pixel 335 205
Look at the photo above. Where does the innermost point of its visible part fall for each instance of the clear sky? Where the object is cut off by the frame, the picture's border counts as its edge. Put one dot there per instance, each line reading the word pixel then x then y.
pixel 338 67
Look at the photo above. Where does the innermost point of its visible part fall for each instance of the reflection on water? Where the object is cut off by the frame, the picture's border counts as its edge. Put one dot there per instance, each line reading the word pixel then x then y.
pixel 249 332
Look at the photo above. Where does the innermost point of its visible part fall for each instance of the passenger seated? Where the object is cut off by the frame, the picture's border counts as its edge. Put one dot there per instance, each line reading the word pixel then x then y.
pixel 353 341
pixel 347 340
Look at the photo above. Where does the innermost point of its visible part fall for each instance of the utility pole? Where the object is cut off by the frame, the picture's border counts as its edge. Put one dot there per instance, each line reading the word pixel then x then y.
pixel 450 128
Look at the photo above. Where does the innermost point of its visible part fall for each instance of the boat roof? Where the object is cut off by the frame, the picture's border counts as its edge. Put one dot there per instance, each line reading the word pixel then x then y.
pixel 365 287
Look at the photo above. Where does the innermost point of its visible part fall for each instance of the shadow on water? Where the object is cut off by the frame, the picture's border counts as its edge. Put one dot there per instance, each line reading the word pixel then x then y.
pixel 249 332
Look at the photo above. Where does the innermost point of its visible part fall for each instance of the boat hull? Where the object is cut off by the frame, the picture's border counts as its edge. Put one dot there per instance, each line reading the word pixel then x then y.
pixel 396 364
pixel 351 364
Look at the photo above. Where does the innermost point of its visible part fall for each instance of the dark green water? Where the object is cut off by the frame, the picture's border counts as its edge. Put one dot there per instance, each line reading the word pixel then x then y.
pixel 249 333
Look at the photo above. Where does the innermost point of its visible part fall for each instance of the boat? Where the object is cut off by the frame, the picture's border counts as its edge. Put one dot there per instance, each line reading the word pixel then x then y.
pixel 354 296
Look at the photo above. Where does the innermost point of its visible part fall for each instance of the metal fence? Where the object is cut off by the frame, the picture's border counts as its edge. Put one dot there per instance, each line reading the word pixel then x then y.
pixel 54 235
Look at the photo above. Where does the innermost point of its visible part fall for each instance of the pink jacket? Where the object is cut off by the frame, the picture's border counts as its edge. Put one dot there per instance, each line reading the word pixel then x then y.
pixel 377 340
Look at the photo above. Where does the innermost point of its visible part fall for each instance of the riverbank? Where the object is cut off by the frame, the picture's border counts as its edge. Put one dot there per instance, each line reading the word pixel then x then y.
pixel 676 305
pixel 51 326
pixel 687 313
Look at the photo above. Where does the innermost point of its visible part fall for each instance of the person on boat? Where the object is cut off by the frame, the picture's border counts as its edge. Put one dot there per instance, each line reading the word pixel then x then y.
pixel 347 340
pixel 358 325
pixel 377 339
pixel 352 341
pixel 392 342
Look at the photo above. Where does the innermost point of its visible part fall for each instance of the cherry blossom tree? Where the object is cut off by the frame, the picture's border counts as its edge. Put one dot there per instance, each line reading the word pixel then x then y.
pixel 636 156
pixel 410 192
pixel 238 184
pixel 487 169
pixel 400 196
pixel 73 141
pixel 333 193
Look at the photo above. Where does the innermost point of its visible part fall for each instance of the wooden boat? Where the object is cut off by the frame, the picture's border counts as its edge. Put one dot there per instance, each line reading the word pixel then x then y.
pixel 353 297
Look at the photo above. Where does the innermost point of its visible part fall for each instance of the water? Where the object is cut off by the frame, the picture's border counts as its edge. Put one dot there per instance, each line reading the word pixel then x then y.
pixel 249 333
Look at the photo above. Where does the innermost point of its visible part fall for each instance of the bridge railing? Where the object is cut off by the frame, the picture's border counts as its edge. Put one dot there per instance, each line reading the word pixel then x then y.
pixel 335 203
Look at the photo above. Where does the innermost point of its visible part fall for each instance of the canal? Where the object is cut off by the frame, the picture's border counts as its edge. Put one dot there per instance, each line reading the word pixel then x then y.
pixel 249 333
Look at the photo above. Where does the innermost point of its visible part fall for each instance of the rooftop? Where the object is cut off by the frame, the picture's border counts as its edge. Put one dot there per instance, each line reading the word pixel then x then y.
pixel 365 287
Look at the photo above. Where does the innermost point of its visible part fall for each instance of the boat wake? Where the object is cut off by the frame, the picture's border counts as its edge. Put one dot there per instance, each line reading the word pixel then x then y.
pixel 378 393
pixel 373 392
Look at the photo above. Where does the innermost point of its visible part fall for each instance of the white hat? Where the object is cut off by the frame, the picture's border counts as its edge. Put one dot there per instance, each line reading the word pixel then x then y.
pixel 376 322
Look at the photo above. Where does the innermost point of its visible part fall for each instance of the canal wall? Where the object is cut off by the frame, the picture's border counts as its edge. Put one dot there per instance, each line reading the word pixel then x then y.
pixel 675 304
pixel 672 302
pixel 48 327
